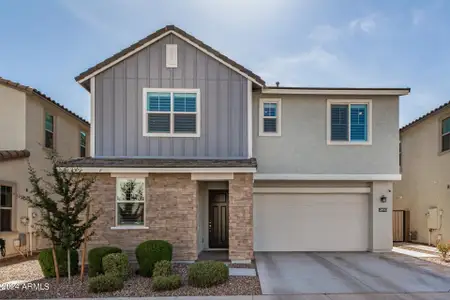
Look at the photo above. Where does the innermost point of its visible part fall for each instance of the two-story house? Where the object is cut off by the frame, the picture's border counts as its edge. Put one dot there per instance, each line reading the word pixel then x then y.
pixel 30 123
pixel 191 147
pixel 424 190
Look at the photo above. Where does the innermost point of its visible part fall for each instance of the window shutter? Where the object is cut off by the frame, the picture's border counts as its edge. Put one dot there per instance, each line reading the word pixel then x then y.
pixel 171 56
pixel 358 121
pixel 339 122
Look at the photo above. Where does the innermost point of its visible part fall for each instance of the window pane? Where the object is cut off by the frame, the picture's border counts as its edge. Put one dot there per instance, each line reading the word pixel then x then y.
pixel 82 151
pixel 185 123
pixel 446 126
pixel 358 119
pixel 158 122
pixel 48 122
pixel 82 138
pixel 131 190
pixel 130 213
pixel 270 109
pixel 339 122
pixel 5 219
pixel 48 139
pixel 270 125
pixel 446 142
pixel 184 102
pixel 5 196
pixel 158 101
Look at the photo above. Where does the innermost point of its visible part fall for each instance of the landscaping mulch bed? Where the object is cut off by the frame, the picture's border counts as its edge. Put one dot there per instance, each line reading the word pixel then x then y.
pixel 436 260
pixel 135 286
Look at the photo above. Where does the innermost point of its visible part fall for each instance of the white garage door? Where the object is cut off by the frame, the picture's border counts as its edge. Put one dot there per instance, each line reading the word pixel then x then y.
pixel 311 222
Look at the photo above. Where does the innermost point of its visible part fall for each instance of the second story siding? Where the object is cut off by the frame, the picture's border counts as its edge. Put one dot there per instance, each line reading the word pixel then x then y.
pixel 119 104
pixel 12 119
pixel 302 147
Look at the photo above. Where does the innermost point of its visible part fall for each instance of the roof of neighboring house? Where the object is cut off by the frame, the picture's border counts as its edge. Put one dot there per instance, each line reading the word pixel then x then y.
pixel 159 163
pixel 13 154
pixel 33 91
pixel 155 35
pixel 336 90
pixel 426 116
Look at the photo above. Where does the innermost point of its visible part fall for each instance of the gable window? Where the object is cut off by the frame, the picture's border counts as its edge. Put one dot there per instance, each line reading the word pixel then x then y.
pixel 172 112
pixel 49 130
pixel 270 117
pixel 82 144
pixel 349 122
pixel 130 202
pixel 6 199
pixel 445 135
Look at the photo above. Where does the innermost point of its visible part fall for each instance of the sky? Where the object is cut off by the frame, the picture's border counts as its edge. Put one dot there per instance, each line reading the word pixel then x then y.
pixel 345 43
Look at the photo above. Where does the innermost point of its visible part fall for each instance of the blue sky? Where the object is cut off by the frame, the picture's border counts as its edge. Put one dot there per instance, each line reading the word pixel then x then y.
pixel 351 43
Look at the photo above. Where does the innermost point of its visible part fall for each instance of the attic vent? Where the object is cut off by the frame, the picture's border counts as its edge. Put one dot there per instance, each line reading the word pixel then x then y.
pixel 171 56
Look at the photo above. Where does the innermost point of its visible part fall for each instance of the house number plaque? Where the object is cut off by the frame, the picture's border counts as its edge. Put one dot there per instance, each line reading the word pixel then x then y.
pixel 382 209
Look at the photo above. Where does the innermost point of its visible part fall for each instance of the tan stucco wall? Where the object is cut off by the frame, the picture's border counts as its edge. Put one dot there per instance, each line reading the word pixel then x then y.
pixel 67 135
pixel 12 119
pixel 425 177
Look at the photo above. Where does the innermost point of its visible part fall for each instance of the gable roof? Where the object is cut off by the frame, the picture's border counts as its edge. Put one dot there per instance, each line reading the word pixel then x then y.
pixel 157 35
pixel 33 91
pixel 426 116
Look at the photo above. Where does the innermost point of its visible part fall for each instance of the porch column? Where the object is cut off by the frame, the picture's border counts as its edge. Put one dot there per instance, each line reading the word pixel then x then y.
pixel 380 207
pixel 240 210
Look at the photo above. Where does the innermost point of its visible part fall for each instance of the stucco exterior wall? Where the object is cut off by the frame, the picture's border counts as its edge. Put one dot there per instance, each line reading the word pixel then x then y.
pixel 12 119
pixel 425 177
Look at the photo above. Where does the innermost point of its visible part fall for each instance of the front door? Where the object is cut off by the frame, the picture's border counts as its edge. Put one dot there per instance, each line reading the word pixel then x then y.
pixel 218 219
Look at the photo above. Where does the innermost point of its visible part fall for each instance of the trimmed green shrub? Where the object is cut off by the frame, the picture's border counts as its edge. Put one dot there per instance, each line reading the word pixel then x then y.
pixel 95 257
pixel 162 268
pixel 207 273
pixel 166 283
pixel 48 268
pixel 149 253
pixel 116 264
pixel 105 283
pixel 443 248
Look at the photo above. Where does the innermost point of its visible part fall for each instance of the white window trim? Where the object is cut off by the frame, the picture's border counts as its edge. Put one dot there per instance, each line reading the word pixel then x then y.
pixel 13 205
pixel 261 116
pixel 52 131
pixel 369 121
pixel 118 181
pixel 172 112
pixel 441 135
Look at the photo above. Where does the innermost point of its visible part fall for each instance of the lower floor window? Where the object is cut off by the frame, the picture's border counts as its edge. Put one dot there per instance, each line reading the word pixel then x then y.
pixel 130 202
pixel 6 196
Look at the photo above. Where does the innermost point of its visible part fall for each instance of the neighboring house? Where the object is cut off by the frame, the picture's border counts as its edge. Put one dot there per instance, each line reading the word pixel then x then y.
pixel 31 122
pixel 191 147
pixel 424 190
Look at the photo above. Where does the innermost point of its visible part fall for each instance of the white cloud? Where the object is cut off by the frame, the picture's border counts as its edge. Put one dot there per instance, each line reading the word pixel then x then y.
pixel 366 24
pixel 324 33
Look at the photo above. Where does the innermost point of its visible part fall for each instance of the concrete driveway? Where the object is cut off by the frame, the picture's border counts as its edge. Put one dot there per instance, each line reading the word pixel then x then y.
pixel 300 272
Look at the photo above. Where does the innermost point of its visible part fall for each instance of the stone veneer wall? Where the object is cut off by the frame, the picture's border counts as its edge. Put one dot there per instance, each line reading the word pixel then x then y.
pixel 241 217
pixel 171 204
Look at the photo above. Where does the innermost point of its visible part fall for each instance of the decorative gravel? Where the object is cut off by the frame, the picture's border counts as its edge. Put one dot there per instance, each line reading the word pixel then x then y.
pixel 135 286
pixel 436 260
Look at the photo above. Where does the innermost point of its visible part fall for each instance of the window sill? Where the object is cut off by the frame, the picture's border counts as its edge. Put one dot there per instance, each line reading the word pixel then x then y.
pixel 172 135
pixel 331 143
pixel 443 152
pixel 269 134
pixel 129 227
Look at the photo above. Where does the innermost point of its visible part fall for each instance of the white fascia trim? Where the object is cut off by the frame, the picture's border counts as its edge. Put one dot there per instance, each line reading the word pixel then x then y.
pixel 249 117
pixel 356 177
pixel 361 92
pixel 157 39
pixel 161 170
pixel 261 116
pixel 92 129
pixel 310 190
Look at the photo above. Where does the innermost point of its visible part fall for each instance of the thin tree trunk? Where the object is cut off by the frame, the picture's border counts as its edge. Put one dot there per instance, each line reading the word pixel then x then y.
pixel 55 263
pixel 83 253
pixel 68 264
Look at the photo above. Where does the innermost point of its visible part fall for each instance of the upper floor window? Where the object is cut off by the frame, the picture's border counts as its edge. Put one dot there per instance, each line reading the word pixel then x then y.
pixel 130 202
pixel 349 122
pixel 82 144
pixel 172 112
pixel 270 117
pixel 49 130
pixel 6 199
pixel 445 135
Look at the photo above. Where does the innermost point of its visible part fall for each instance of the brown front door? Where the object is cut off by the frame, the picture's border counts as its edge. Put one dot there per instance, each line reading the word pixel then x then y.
pixel 218 219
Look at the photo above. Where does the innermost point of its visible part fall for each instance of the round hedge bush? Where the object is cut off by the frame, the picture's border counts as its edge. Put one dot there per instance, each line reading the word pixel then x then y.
pixel 48 268
pixel 105 283
pixel 149 253
pixel 116 264
pixel 166 283
pixel 207 273
pixel 162 268
pixel 95 257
